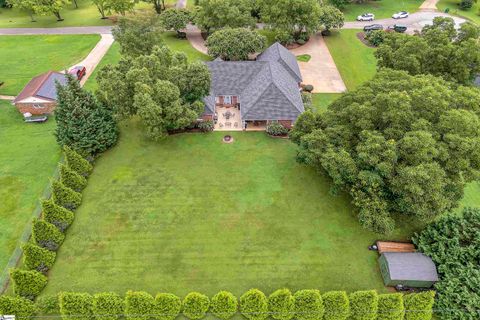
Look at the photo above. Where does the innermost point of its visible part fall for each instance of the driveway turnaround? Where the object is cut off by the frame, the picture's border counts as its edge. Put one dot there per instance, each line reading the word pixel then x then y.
pixel 63 30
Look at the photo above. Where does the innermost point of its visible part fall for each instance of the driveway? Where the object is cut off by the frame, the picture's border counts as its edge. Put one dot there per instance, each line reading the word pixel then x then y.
pixel 195 38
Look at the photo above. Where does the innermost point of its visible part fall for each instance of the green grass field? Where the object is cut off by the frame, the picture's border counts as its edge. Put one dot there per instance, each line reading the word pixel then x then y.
pixel 381 9
pixel 472 14
pixel 322 100
pixel 111 57
pixel 23 57
pixel 28 157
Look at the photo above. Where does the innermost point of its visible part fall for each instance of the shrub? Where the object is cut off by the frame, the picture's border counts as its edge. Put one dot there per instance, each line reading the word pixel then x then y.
pixel 375 37
pixel 76 305
pixel 308 305
pixel 206 126
pixel 37 258
pixel 71 179
pixel 65 197
pixel 46 235
pixel 307 100
pixel 281 304
pixel 363 305
pixel 307 88
pixel 301 42
pixel 168 306
pixel 418 306
pixel 58 216
pixel 276 129
pixel 195 305
pixel 224 305
pixel 20 307
pixel 284 37
pixel 27 283
pixel 108 306
pixel 254 305
pixel 336 304
pixel 48 305
pixel 139 305
pixel 390 306
pixel 76 162
pixel 466 4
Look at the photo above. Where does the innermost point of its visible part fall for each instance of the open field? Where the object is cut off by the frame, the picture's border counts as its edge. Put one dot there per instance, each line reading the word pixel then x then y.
pixel 381 9
pixel 472 14
pixel 28 157
pixel 23 57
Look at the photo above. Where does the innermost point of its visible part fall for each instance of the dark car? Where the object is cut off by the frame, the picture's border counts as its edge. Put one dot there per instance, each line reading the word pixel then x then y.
pixel 373 27
pixel 79 72
pixel 398 28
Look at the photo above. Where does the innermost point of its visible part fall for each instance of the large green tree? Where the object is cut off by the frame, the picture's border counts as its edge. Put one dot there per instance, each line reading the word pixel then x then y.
pixel 331 17
pixel 45 7
pixel 216 14
pixel 235 44
pixel 400 145
pixel 439 49
pixel 175 19
pixel 24 5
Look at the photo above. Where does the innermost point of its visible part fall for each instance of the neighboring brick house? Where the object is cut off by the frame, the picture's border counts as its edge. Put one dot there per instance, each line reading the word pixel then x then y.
pixel 40 95
pixel 260 91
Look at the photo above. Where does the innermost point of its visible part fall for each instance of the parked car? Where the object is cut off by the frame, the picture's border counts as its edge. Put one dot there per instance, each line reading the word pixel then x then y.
pixel 366 17
pixel 372 27
pixel 398 28
pixel 400 15
pixel 78 71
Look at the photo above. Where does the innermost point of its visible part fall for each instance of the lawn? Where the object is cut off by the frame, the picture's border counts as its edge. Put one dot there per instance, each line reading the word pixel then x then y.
pixel 23 57
pixel 472 14
pixel 321 101
pixel 111 57
pixel 354 60
pixel 28 157
pixel 381 9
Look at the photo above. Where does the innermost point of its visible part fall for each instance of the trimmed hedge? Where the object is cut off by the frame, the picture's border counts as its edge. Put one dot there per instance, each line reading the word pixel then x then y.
pixel 108 306
pixel 76 162
pixel 46 235
pixel 390 306
pixel 419 306
pixel 27 283
pixel 21 307
pixel 195 305
pixel 363 305
pixel 48 305
pixel 139 305
pixel 58 216
pixel 65 197
pixel 254 305
pixel 76 305
pixel 281 304
pixel 224 305
pixel 308 305
pixel 167 306
pixel 337 306
pixel 71 179
pixel 37 258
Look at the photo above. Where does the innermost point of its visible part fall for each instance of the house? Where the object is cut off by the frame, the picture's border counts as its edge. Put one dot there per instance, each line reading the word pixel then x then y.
pixel 410 269
pixel 250 94
pixel 40 94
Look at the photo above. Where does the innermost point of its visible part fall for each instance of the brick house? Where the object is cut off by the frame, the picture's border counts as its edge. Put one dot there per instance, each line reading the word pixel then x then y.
pixel 40 95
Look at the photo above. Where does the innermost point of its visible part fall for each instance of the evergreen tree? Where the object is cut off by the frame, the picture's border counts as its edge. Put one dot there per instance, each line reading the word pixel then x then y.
pixel 65 197
pixel 70 178
pixel 37 258
pixel 58 216
pixel 46 235
pixel 27 284
pixel 76 162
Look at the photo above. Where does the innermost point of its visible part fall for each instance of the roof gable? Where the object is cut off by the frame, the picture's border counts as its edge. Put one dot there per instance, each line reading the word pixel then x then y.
pixel 278 53
pixel 42 86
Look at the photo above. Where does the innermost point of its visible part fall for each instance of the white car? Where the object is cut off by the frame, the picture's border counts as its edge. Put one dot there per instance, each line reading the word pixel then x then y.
pixel 366 17
pixel 400 15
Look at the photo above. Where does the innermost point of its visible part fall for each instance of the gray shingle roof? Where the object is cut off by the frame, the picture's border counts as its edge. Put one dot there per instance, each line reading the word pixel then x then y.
pixel 48 89
pixel 410 266
pixel 477 81
pixel 280 54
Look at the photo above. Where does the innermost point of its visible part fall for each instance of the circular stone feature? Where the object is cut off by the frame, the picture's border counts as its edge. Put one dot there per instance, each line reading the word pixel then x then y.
pixel 228 139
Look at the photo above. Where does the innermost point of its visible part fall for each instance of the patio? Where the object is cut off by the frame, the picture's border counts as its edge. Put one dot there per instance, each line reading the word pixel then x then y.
pixel 229 119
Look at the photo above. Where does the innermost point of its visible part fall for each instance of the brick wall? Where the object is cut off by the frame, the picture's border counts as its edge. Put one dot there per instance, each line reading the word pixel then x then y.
pixel 28 107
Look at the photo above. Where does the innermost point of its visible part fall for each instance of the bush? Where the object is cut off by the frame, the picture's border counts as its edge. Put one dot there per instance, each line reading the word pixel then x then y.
pixel 37 258
pixel 337 306
pixel 418 306
pixel 168 305
pixel 281 304
pixel 20 307
pixel 108 306
pixel 48 305
pixel 390 306
pixel 363 305
pixel 307 100
pixel 65 197
pixel 58 216
pixel 71 179
pixel 46 235
pixel 284 37
pixel 301 41
pixel 27 283
pixel 224 305
pixel 76 162
pixel 254 305
pixel 466 4
pixel 76 305
pixel 276 129
pixel 206 126
pixel 308 88
pixel 195 305
pixel 139 305
pixel 375 37
pixel 308 305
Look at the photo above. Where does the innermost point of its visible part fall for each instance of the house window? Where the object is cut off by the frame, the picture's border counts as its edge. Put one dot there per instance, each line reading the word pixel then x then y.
pixel 227 99
pixel 38 106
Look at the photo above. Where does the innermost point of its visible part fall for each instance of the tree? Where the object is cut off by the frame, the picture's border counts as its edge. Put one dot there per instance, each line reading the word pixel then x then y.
pixel 418 306
pixel 27 283
pixel 108 306
pixel 216 14
pixel 71 179
pixel 158 5
pixel 138 304
pixel 25 5
pixel 400 145
pixel 195 305
pixel 337 306
pixel 254 305
pixel 44 7
pixel 281 304
pixel 235 44
pixel 224 305
pixel 37 258
pixel 308 305
pixel 76 162
pixel 73 304
pixel 340 4
pixel 122 6
pixel 56 215
pixel 390 306
pixel 82 122
pixel 46 235
pixel 20 307
pixel 103 6
pixel 363 305
pixel 168 306
pixel 65 197
pixel 331 17
pixel 292 16
pixel 175 19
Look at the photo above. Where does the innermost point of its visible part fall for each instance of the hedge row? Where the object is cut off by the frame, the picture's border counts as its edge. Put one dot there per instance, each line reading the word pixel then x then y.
pixel 253 305
pixel 48 232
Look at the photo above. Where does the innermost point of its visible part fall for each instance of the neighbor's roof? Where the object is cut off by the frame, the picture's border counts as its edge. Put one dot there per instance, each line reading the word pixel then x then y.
pixel 477 81
pixel 42 86
pixel 410 266
pixel 280 54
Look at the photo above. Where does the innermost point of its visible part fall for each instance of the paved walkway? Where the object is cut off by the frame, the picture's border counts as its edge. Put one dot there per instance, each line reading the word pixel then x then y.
pixel 195 38
pixel 63 30
pixel 429 5
pixel 10 98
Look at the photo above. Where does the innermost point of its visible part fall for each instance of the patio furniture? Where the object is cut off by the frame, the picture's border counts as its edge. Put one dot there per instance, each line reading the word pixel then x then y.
pixel 220 125
pixel 228 124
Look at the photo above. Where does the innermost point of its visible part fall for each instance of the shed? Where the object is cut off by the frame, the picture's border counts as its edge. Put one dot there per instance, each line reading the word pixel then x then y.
pixel 411 269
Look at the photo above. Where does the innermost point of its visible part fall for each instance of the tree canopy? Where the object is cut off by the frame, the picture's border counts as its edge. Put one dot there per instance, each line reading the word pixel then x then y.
pixel 235 44
pixel 217 14
pixel 331 17
pixel 175 19
pixel 400 145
